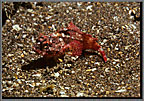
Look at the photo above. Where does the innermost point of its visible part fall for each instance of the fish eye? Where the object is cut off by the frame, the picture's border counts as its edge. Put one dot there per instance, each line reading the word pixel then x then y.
pixel 38 43
pixel 46 44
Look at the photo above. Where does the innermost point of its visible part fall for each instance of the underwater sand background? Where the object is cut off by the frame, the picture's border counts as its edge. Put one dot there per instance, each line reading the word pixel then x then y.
pixel 116 25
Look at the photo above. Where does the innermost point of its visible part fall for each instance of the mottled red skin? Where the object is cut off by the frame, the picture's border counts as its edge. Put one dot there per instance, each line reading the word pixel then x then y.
pixel 72 40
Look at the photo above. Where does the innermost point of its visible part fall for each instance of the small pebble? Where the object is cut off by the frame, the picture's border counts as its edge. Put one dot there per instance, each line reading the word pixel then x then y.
pixel 64 96
pixel 74 58
pixel 21 45
pixel 88 70
pixel 9 83
pixel 115 18
pixel 80 94
pixel 31 85
pixel 30 10
pixel 94 69
pixel 62 92
pixel 79 4
pixel 15 85
pixel 114 62
pixel 73 72
pixel 86 63
pixel 89 7
pixel 32 15
pixel 40 16
pixel 69 65
pixel 53 27
pixel 107 92
pixel 67 87
pixel 38 75
pixel 48 17
pixel 107 70
pixel 56 74
pixel 38 84
pixel 93 27
pixel 10 55
pixel 121 90
pixel 26 91
pixel 97 63
pixel 105 40
pixel 19 81
pixel 16 27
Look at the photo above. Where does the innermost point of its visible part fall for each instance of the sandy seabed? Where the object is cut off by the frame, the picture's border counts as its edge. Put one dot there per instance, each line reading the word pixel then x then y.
pixel 115 24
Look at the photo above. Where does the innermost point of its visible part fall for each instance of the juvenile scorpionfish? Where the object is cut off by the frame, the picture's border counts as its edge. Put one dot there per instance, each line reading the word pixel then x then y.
pixel 68 40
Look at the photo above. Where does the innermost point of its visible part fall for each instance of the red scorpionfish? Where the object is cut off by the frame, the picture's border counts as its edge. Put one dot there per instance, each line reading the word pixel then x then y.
pixel 68 40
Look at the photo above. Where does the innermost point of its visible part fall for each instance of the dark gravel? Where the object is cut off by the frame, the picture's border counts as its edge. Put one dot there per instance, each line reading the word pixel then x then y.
pixel 116 25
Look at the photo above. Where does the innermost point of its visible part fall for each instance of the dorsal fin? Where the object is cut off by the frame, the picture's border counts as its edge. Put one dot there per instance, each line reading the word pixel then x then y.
pixel 71 26
pixel 40 34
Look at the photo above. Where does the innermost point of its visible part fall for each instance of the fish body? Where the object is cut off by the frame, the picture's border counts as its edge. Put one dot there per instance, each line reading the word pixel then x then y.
pixel 68 40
